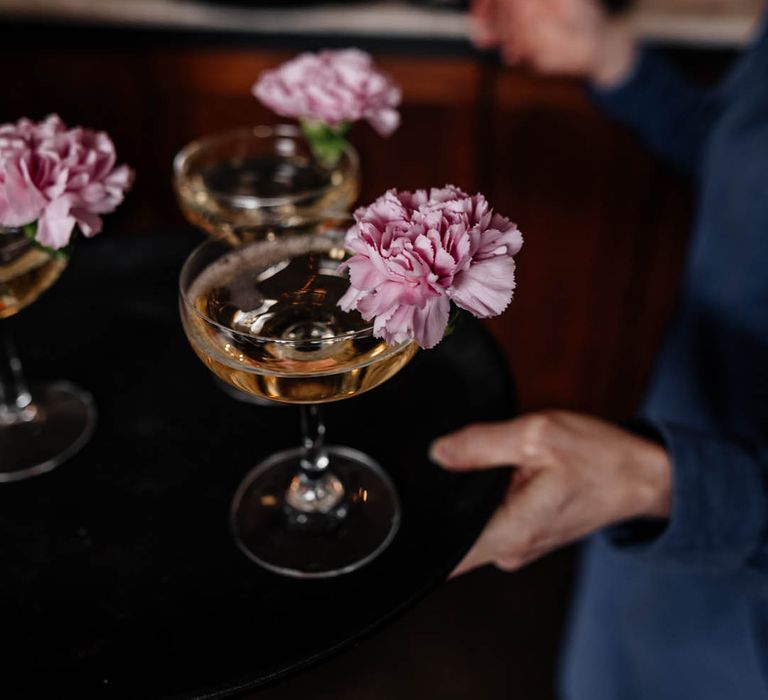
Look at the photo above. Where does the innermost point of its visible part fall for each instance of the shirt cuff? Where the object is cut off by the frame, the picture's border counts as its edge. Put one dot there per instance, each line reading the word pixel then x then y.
pixel 630 78
pixel 719 505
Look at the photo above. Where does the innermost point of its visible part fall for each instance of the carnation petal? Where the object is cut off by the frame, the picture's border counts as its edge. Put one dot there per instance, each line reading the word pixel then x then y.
pixel 444 263
pixel 400 323
pixel 350 299
pixel 385 121
pixel 363 274
pixel 22 201
pixel 485 289
pixel 387 296
pixel 89 223
pixel 429 323
pixel 55 225
pixel 121 178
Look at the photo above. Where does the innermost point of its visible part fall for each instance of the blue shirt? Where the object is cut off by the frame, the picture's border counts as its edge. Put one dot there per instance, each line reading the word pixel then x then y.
pixel 679 610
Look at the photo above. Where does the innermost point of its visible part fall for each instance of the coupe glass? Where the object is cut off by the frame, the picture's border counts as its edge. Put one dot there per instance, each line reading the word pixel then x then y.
pixel 40 425
pixel 254 183
pixel 263 317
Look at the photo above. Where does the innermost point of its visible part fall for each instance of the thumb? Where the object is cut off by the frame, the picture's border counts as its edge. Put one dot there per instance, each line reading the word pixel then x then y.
pixel 480 446
pixel 485 549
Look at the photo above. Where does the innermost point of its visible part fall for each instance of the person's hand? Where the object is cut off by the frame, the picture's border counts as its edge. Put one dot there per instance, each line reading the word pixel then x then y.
pixel 574 474
pixel 569 37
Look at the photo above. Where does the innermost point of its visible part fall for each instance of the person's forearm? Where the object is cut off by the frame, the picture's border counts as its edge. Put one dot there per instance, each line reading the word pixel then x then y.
pixel 672 115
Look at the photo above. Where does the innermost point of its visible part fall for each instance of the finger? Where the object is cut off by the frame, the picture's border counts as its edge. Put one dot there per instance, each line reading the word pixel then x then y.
pixel 469 563
pixel 482 24
pixel 484 446
pixel 517 533
pixel 513 29
pixel 502 541
pixel 482 10
pixel 533 17
pixel 482 36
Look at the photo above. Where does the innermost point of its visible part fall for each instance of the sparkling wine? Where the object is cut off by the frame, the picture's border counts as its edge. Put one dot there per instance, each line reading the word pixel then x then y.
pixel 25 272
pixel 253 198
pixel 265 319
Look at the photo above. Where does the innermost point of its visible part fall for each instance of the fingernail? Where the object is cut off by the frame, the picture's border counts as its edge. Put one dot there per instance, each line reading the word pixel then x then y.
pixel 437 452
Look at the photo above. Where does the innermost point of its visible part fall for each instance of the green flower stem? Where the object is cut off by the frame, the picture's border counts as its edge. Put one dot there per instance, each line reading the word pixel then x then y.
pixel 453 320
pixel 30 230
pixel 327 142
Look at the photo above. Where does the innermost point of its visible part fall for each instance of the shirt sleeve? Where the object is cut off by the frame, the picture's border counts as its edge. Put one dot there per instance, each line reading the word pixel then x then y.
pixel 672 115
pixel 719 507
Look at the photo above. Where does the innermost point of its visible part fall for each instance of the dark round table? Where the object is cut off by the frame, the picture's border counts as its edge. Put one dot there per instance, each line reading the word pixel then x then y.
pixel 119 577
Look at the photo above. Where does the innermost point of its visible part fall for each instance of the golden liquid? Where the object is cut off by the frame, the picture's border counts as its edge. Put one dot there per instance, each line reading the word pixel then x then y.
pixel 218 199
pixel 25 272
pixel 269 325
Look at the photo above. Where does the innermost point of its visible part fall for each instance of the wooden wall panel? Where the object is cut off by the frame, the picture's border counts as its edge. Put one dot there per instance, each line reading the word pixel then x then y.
pixel 604 223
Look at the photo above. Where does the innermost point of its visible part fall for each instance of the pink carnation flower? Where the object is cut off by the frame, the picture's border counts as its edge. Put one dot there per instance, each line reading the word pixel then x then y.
pixel 416 252
pixel 59 178
pixel 333 87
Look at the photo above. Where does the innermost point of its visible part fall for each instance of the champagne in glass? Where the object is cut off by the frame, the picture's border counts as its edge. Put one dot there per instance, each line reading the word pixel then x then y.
pixel 247 184
pixel 25 272
pixel 272 327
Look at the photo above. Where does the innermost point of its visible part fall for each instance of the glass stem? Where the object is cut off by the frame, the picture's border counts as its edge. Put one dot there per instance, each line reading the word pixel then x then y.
pixel 315 489
pixel 15 400
pixel 314 460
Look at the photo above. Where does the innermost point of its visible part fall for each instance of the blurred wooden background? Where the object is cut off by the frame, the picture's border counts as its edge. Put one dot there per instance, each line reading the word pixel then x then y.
pixel 604 223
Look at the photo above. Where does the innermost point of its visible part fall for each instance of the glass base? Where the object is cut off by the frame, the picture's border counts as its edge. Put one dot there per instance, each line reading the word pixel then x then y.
pixel 244 396
pixel 63 424
pixel 315 545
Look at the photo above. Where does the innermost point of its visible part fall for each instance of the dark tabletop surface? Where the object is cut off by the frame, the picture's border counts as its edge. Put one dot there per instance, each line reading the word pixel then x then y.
pixel 120 577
